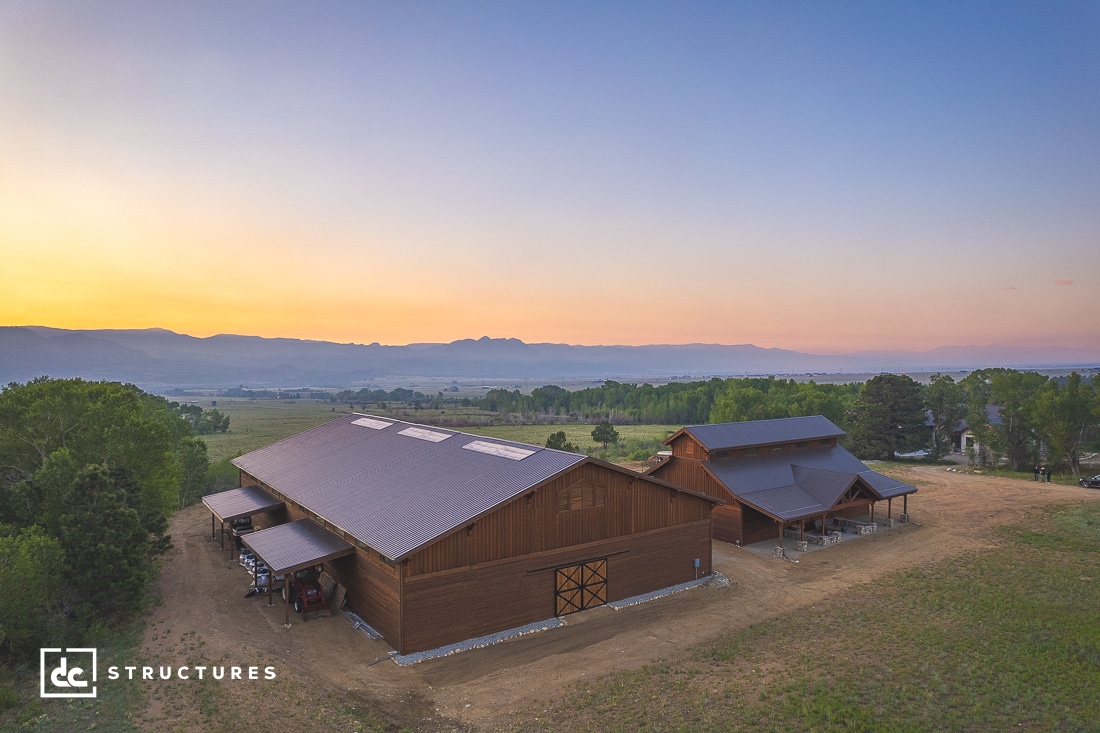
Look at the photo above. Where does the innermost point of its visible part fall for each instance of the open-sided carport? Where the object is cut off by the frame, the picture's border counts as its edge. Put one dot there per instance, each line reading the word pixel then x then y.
pixel 287 548
pixel 246 501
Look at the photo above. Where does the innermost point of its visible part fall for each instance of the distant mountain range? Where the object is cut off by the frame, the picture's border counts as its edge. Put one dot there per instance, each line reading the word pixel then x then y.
pixel 159 359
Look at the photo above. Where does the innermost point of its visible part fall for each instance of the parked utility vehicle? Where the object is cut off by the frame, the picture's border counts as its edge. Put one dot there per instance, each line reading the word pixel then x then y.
pixel 305 591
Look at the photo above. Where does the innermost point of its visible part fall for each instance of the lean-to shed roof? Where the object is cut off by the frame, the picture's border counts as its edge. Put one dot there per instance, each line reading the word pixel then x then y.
pixel 397 486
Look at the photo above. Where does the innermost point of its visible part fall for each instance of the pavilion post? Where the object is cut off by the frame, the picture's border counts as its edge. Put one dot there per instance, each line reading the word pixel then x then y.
pixel 889 507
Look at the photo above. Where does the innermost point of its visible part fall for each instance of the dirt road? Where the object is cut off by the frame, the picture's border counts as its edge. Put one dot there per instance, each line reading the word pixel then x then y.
pixel 204 615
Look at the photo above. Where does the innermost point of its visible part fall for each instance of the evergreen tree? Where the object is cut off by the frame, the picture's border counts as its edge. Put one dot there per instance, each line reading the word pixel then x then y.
pixel 888 417
pixel 605 434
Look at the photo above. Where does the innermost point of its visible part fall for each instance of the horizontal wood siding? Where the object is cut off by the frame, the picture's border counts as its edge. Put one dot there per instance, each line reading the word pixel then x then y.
pixel 726 523
pixel 757 527
pixel 600 503
pixel 452 605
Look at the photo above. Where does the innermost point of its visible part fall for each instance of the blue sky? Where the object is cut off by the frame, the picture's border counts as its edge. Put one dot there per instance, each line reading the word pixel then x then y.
pixel 817 176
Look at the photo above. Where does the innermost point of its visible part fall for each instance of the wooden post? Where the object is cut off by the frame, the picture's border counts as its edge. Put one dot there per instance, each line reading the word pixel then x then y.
pixel 211 525
pixel 889 507
pixel 824 534
pixel 221 530
pixel 872 512
pixel 286 598
pixel 802 530
pixel 781 534
pixel 905 504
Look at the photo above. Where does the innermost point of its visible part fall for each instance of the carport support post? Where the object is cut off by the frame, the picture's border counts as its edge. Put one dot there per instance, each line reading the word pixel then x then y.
pixel 211 525
pixel 905 504
pixel 824 532
pixel 889 507
pixel 780 534
pixel 872 512
pixel 802 530
pixel 286 597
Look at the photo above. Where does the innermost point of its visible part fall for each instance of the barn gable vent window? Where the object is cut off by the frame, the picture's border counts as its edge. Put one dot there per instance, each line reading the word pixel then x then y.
pixel 581 495
pixel 499 449
pixel 751 451
pixel 431 436
pixel 778 448
pixel 371 423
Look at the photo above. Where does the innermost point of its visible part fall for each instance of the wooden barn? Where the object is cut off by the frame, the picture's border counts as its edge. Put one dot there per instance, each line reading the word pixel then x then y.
pixel 776 476
pixel 438 536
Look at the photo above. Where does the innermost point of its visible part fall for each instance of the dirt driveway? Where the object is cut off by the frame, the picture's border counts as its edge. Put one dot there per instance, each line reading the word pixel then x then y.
pixel 204 615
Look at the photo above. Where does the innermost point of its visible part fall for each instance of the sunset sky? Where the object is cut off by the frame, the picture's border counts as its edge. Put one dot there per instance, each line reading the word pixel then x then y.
pixel 819 176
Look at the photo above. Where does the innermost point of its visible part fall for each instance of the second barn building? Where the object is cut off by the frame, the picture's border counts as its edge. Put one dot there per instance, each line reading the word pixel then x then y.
pixel 776 476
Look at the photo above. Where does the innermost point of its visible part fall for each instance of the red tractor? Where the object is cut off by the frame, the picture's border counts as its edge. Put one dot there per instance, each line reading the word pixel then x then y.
pixel 306 594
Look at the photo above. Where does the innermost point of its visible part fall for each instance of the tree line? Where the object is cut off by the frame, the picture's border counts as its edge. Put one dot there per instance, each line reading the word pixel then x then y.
pixel 89 474
pixel 1020 417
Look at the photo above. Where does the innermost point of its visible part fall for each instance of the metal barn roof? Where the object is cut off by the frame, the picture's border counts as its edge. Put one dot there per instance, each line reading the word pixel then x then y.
pixel 803 484
pixel 763 432
pixel 287 547
pixel 242 502
pixel 397 486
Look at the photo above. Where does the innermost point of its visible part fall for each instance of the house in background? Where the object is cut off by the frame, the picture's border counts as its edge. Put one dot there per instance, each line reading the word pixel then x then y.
pixel 436 536
pixel 776 476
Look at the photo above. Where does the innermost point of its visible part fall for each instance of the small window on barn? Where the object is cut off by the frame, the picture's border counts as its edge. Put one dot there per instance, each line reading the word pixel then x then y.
pixel 386 560
pixel 778 448
pixel 751 451
pixel 826 441
pixel 802 444
pixel 581 495
pixel 689 448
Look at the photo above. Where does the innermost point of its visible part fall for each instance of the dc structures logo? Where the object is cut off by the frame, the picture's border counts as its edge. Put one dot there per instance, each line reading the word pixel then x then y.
pixel 68 672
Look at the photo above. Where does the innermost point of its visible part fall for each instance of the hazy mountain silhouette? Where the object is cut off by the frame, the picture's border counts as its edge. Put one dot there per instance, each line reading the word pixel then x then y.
pixel 159 358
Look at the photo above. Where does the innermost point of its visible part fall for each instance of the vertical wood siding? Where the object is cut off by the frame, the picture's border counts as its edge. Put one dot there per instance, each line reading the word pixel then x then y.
pixel 451 605
pixel 610 504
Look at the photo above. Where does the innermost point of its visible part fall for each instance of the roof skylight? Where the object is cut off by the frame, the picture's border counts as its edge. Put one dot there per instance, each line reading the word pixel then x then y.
pixel 497 449
pixel 371 423
pixel 424 434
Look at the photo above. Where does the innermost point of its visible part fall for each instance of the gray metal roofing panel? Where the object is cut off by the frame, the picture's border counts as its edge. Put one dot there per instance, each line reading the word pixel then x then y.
pixel 296 544
pixel 394 492
pixel 242 502
pixel 824 485
pixel 764 432
pixel 787 502
pixel 781 482
pixel 885 486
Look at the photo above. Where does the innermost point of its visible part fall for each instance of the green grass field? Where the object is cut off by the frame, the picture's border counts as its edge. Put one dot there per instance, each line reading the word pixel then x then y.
pixel 1006 640
pixel 256 423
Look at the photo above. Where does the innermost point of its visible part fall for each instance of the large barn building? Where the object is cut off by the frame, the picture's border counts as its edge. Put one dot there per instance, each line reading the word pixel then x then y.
pixel 777 475
pixel 438 536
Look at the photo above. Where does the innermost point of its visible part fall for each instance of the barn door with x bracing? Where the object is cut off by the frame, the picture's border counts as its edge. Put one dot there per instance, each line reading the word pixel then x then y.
pixel 578 587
